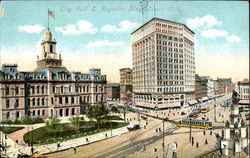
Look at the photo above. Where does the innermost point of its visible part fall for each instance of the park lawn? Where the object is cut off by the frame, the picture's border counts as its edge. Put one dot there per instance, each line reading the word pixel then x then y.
pixel 43 135
pixel 9 129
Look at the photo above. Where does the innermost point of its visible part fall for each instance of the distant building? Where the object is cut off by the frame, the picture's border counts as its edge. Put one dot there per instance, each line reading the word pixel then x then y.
pixel 200 87
pixel 242 88
pixel 225 85
pixel 163 64
pixel 49 91
pixel 126 84
pixel 113 91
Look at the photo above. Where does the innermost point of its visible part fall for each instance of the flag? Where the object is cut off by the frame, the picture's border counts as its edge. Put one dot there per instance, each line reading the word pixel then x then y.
pixel 1 12
pixel 51 13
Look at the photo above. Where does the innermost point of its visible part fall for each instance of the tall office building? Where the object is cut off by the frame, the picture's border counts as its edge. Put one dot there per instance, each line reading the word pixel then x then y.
pixel 163 64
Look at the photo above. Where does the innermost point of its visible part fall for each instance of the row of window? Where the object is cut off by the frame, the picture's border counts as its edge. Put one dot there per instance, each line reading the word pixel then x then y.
pixel 170 66
pixel 161 36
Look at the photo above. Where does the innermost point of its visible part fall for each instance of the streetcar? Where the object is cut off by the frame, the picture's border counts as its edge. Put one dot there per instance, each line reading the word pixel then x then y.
pixel 203 124
pixel 204 109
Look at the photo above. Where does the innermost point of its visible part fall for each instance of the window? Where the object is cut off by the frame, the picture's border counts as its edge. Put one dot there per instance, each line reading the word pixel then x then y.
pixel 37 89
pixel 7 103
pixel 16 90
pixel 52 100
pixel 34 112
pixel 60 100
pixel 17 103
pixel 72 100
pixel 7 90
pixel 51 48
pixel 7 115
pixel 43 101
pixel 33 101
pixel 38 101
pixel 66 100
pixel 17 114
pixel 42 89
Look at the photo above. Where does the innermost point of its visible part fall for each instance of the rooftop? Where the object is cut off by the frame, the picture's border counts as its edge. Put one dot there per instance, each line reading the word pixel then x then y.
pixel 162 20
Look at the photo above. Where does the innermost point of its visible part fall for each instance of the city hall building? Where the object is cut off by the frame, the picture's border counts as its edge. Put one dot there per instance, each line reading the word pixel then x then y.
pixel 163 65
pixel 49 91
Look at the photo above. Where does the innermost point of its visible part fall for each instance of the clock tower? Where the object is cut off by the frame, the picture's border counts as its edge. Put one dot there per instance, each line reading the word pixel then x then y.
pixel 49 58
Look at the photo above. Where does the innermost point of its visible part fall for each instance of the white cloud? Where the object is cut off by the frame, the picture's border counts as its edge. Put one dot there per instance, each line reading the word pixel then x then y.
pixel 122 27
pixel 81 27
pixel 233 38
pixel 206 21
pixel 212 33
pixel 104 43
pixel 37 28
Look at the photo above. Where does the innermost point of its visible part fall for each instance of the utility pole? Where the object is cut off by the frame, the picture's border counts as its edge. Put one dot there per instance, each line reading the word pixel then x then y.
pixel 163 139
pixel 190 129
pixel 215 111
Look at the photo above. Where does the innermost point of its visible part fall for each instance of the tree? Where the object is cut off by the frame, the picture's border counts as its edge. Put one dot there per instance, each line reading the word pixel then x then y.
pixel 97 112
pixel 53 125
pixel 77 122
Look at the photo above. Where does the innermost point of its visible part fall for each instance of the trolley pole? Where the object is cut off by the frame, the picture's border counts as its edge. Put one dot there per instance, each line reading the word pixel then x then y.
pixel 190 129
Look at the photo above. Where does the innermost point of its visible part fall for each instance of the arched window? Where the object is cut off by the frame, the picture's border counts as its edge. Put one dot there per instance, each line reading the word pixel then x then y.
pixel 52 100
pixel 43 101
pixel 43 113
pixel 60 100
pixel 33 102
pixel 51 48
pixel 42 89
pixel 38 101
pixel 7 115
pixel 37 89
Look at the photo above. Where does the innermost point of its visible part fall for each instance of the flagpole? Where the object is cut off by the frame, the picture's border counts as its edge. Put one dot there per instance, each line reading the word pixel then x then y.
pixel 48 19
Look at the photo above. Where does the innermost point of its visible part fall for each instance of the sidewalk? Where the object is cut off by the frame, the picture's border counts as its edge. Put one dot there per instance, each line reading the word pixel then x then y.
pixel 13 149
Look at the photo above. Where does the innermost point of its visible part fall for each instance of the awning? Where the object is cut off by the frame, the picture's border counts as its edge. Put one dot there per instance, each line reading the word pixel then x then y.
pixel 151 106
pixel 191 102
pixel 244 102
pixel 172 105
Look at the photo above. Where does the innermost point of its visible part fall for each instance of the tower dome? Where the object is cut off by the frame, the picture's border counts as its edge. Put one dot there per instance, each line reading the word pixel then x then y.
pixel 48 36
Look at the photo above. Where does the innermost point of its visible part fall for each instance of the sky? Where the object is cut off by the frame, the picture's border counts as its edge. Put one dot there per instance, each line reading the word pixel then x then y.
pixel 97 33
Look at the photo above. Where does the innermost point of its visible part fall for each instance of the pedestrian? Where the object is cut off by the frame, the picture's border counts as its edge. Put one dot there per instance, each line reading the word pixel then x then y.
pixel 58 145
pixel 204 132
pixel 206 142
pixel 144 147
pixel 197 145
pixel 211 132
pixel 87 140
pixel 106 135
pixel 192 143
pixel 32 150
pixel 155 149
pixel 74 149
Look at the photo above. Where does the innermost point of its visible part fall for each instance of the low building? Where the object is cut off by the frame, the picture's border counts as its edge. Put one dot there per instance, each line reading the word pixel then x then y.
pixel 49 91
pixel 225 85
pixel 113 91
